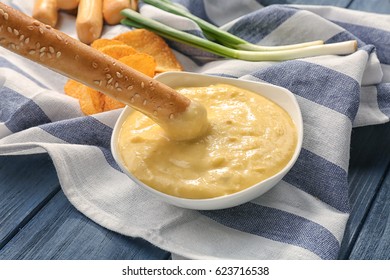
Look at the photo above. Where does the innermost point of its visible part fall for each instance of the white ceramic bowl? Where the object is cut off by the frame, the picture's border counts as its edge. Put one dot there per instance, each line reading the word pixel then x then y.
pixel 279 95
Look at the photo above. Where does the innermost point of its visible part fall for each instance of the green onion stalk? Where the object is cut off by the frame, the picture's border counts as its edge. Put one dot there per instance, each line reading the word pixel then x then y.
pixel 221 36
pixel 135 19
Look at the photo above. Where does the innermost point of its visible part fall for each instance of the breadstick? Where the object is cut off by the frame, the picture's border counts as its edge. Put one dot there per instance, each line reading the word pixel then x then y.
pixel 36 41
pixel 46 11
pixel 112 8
pixel 67 4
pixel 134 5
pixel 89 21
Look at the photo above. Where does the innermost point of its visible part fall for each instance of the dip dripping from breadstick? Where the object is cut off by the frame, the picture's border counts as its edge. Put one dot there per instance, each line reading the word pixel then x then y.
pixel 180 117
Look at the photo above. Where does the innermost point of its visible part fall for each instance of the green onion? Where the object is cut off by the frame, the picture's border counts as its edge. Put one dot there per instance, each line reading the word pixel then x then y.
pixel 135 19
pixel 223 37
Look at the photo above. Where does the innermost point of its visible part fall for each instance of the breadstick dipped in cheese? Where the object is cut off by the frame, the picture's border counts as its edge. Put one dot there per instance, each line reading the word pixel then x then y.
pixel 180 117
pixel 46 11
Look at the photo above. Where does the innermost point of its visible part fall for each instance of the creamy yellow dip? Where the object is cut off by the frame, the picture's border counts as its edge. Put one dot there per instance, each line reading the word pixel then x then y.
pixel 249 139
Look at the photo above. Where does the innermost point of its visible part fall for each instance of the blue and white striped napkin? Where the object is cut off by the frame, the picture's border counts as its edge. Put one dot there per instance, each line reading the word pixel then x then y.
pixel 303 217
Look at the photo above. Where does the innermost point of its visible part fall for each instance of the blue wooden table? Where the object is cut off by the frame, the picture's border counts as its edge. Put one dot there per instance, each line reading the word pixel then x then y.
pixel 38 222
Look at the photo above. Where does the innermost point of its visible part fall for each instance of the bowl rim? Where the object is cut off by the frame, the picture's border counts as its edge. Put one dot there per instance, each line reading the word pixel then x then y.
pixel 219 202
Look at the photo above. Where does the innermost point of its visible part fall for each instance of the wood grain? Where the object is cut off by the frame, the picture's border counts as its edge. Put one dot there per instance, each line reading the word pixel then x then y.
pixel 370 157
pixel 38 222
pixel 60 232
pixel 23 191
pixel 373 241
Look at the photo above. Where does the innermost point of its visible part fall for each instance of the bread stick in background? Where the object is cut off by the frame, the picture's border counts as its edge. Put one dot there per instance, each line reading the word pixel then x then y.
pixel 134 5
pixel 89 21
pixel 46 11
pixel 112 8
pixel 67 4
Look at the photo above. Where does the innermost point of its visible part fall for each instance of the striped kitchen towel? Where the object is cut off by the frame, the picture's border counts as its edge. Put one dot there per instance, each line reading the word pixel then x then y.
pixel 303 217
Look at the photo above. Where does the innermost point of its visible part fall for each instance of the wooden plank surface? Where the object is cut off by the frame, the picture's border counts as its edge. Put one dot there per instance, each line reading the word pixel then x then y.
pixel 370 158
pixel 24 191
pixel 373 241
pixel 373 6
pixel 38 222
pixel 60 232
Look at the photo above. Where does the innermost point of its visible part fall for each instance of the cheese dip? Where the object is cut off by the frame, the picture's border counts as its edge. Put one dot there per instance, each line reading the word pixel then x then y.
pixel 249 139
